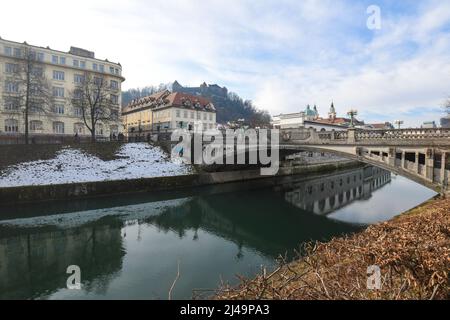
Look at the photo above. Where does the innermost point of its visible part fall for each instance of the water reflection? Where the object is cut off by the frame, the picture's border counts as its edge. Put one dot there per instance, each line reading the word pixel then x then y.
pixel 128 248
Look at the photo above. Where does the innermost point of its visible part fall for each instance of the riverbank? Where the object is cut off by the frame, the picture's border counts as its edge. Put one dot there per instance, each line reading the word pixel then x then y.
pixel 119 178
pixel 411 250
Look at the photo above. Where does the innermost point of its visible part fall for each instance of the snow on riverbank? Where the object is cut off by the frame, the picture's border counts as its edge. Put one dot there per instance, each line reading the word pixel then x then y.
pixel 135 160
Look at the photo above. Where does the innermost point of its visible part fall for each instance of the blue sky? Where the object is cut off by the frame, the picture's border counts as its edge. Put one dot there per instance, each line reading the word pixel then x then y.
pixel 281 54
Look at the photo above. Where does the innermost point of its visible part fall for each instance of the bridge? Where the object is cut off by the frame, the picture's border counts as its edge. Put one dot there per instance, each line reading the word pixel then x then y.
pixel 418 154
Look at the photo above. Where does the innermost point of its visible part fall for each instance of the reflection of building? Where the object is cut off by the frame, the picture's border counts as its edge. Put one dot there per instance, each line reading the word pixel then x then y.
pixel 326 195
pixel 61 72
pixel 35 263
pixel 310 118
pixel 167 110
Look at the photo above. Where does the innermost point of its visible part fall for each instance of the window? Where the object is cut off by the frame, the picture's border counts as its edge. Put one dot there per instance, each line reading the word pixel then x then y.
pixel 199 116
pixel 78 128
pixel 78 112
pixel 37 72
pixel 111 70
pixel 99 129
pixel 35 108
pixel 116 71
pixel 11 68
pixel 58 92
pixel 210 117
pixel 82 64
pixel 185 114
pixel 205 127
pixel 78 78
pixel 76 63
pixel 58 108
pixel 205 115
pixel 102 68
pixel 95 66
pixel 58 127
pixel 114 129
pixel 36 125
pixel 55 59
pixel 11 125
pixel 114 99
pixel 98 81
pixel 12 104
pixel 114 85
pixel 58 75
pixel 17 52
pixel 62 60
pixel 8 51
pixel 177 113
pixel 78 94
pixel 114 115
pixel 11 87
pixel 40 56
pixel 192 114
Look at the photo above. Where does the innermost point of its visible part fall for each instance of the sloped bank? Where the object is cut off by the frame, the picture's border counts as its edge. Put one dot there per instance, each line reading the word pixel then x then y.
pixel 411 250
pixel 69 191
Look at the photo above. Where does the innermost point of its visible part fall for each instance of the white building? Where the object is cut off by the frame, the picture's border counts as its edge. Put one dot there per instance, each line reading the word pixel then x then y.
pixel 62 71
pixel 310 119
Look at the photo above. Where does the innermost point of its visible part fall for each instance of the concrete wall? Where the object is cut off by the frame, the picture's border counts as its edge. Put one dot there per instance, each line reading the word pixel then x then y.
pixel 102 188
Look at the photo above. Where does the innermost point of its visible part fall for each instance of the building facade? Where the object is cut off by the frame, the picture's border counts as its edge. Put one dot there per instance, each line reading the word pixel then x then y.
pixel 165 111
pixel 310 118
pixel 62 72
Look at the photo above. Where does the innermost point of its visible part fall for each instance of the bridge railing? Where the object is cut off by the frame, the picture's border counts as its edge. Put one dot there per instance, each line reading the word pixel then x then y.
pixel 350 136
pixel 401 134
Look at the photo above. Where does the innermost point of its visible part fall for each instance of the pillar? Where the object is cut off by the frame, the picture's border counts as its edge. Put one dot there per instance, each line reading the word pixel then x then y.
pixel 443 162
pixel 416 163
pixel 351 137
pixel 429 165
pixel 391 157
pixel 403 159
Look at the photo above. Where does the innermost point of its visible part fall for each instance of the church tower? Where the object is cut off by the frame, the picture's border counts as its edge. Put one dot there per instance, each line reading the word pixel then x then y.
pixel 332 113
pixel 316 113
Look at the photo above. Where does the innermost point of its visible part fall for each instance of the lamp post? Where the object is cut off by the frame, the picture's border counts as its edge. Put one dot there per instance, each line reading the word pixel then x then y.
pixel 398 123
pixel 352 113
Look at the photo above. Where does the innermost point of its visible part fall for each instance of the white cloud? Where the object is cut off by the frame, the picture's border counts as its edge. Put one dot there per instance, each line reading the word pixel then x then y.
pixel 282 54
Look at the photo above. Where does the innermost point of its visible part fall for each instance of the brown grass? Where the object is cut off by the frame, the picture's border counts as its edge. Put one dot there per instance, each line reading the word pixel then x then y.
pixel 413 252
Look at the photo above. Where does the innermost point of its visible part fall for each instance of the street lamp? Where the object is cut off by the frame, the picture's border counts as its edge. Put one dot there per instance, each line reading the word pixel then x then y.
pixel 399 123
pixel 352 113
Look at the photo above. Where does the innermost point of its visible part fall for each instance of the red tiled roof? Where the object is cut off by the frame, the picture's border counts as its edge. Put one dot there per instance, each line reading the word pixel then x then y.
pixel 378 125
pixel 178 99
pixel 174 99
pixel 336 121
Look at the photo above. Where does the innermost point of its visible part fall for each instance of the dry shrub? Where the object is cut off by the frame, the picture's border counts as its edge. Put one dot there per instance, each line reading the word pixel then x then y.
pixel 412 251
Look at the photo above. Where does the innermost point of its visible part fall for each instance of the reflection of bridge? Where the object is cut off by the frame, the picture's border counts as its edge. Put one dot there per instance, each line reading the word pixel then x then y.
pixel 332 192
pixel 418 154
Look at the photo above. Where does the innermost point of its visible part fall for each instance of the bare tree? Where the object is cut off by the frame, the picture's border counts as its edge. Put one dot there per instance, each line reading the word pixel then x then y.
pixel 28 90
pixel 96 102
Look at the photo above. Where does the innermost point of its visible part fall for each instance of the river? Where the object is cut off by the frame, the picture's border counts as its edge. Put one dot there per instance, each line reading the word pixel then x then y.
pixel 130 246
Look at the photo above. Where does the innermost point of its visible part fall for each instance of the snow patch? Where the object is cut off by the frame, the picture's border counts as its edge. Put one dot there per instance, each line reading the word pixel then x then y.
pixel 135 160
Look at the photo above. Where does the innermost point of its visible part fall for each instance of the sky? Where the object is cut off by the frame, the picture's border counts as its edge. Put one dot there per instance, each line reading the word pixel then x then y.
pixel 282 54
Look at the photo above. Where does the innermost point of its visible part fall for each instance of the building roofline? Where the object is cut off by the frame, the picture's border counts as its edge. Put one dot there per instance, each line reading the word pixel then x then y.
pixel 65 52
